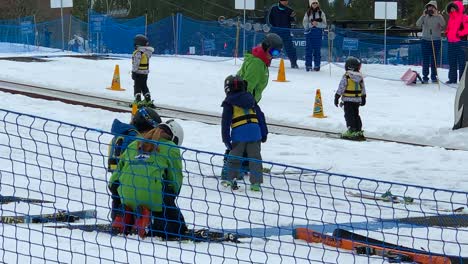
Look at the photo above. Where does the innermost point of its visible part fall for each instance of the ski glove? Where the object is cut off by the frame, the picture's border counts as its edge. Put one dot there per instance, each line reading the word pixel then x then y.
pixel 337 97
pixel 363 100
pixel 264 139
pixel 228 145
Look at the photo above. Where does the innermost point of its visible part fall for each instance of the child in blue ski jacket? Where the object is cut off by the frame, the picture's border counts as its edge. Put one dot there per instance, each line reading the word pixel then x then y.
pixel 243 129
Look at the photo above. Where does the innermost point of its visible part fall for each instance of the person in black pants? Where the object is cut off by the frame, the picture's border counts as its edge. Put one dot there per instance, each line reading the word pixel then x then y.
pixel 353 95
pixel 280 18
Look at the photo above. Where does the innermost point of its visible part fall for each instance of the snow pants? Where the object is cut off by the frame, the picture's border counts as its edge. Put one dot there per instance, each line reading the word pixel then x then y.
pixel 428 58
pixel 285 35
pixel 456 59
pixel 170 223
pixel 252 149
pixel 313 46
pixel 353 120
pixel 140 84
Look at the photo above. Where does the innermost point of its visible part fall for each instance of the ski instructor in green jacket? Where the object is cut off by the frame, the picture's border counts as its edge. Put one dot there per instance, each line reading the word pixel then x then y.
pixel 254 70
pixel 150 176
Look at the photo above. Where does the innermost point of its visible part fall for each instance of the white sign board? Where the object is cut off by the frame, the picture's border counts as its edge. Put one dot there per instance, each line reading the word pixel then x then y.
pixel 245 4
pixel 386 10
pixel 61 3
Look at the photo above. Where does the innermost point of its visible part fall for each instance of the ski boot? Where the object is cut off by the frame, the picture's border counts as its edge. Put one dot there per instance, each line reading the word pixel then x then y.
pixel 142 221
pixel 359 135
pixel 148 102
pixel 255 187
pixel 137 101
pixel 232 184
pixel 123 221
pixel 348 134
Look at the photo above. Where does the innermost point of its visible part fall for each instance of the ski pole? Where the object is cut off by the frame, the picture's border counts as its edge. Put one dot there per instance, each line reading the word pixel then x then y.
pixel 435 59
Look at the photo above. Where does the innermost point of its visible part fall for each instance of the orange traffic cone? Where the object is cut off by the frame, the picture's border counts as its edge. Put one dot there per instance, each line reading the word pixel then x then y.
pixel 116 80
pixel 318 107
pixel 281 73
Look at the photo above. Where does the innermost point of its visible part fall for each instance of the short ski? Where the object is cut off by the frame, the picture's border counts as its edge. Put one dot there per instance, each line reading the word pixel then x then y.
pixel 16 199
pixel 455 210
pixel 198 235
pixel 60 216
pixel 418 256
pixel 389 198
pixel 345 234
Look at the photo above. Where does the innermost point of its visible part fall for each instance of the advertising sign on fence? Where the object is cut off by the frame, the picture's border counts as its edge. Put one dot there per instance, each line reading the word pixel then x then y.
pixel 27 27
pixel 350 44
pixel 96 23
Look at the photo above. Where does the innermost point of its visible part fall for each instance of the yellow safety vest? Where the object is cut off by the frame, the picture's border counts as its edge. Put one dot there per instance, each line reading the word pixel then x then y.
pixel 242 116
pixel 144 64
pixel 353 89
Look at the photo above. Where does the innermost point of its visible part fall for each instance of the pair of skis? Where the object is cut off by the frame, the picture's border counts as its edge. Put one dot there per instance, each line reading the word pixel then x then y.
pixel 195 235
pixel 389 197
pixel 59 216
pixel 363 245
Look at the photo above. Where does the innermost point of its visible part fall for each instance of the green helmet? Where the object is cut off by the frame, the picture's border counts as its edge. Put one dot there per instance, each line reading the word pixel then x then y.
pixel 273 41
pixel 352 64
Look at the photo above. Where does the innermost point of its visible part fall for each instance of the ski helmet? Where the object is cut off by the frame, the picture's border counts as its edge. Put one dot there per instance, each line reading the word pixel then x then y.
pixel 146 119
pixel 234 83
pixel 352 64
pixel 272 41
pixel 174 130
pixel 140 40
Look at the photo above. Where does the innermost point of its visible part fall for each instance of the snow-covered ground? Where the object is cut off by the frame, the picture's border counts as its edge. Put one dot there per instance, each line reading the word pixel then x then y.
pixel 422 113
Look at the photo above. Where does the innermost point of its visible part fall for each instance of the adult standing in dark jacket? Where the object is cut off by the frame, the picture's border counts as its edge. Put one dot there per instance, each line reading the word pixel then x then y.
pixel 280 18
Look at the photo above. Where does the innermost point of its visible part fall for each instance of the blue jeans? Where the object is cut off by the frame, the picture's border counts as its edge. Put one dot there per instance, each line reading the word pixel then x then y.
pixel 313 46
pixel 428 58
pixel 456 59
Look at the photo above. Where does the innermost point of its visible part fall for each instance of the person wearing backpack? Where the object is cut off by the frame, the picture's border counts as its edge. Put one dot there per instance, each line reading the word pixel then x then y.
pixel 143 121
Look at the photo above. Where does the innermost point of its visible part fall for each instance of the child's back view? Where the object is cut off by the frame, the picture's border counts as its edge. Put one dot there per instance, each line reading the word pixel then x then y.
pixel 243 129
pixel 353 94
pixel 140 69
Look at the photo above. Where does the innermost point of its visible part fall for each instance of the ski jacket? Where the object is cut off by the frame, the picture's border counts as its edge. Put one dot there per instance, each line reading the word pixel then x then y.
pixel 314 15
pixel 126 133
pixel 352 87
pixel 140 59
pixel 431 26
pixel 242 119
pixel 146 177
pixel 254 70
pixel 457 25
pixel 280 16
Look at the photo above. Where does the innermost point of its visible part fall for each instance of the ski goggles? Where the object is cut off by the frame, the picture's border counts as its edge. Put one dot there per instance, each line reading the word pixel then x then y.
pixel 275 52
pixel 147 117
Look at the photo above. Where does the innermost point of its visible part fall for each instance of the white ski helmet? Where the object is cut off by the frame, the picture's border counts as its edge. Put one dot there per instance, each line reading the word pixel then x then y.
pixel 175 129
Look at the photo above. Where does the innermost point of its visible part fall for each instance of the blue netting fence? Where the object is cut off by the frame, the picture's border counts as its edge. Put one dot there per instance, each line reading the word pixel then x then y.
pixel 66 165
pixel 183 35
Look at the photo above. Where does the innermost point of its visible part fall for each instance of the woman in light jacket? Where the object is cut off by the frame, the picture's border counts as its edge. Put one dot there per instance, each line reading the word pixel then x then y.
pixel 314 22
